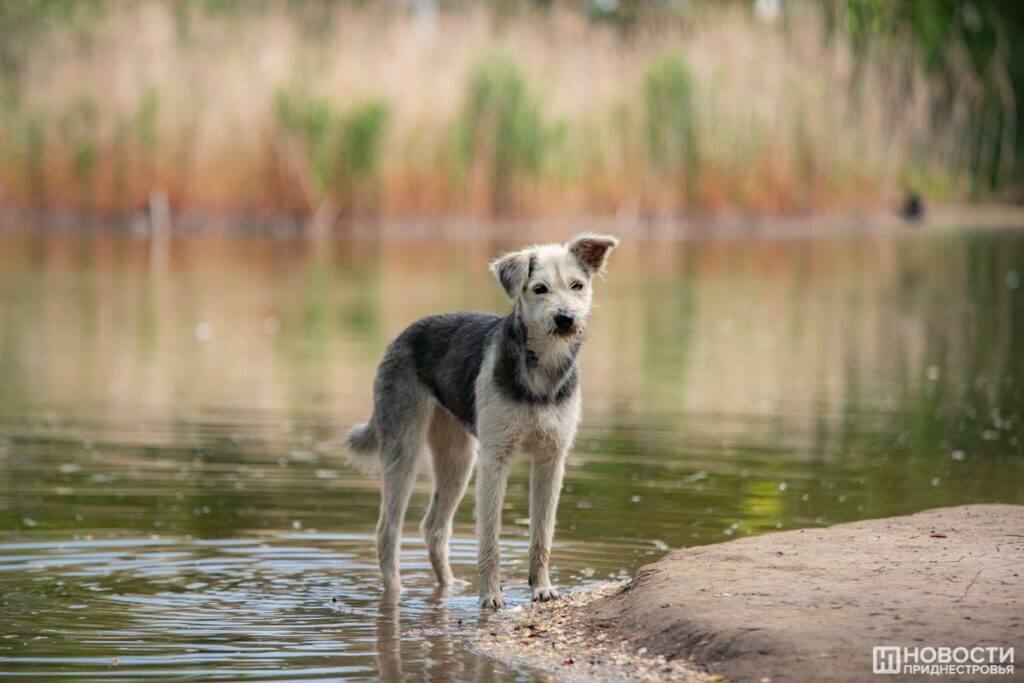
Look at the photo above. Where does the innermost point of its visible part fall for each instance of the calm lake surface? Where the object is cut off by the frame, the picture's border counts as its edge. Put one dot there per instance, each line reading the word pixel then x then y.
pixel 174 503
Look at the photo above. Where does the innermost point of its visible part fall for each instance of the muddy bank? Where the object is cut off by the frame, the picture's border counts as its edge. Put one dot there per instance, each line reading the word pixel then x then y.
pixel 805 605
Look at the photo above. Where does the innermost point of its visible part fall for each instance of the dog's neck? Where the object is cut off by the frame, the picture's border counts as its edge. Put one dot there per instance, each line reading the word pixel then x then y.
pixel 536 367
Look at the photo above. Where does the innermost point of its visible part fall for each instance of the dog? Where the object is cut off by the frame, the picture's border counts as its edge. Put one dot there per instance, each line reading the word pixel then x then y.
pixel 467 382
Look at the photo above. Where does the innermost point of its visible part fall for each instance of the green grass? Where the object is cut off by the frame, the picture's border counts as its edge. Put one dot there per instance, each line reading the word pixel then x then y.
pixel 670 128
pixel 340 150
pixel 503 137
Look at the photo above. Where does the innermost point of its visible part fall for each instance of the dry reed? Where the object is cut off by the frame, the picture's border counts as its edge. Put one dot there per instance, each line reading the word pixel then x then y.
pixel 779 117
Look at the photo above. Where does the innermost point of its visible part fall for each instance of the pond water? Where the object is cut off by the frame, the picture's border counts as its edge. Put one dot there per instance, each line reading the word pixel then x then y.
pixel 174 503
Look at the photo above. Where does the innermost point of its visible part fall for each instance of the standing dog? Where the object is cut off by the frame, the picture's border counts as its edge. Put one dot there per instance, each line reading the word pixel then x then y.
pixel 511 383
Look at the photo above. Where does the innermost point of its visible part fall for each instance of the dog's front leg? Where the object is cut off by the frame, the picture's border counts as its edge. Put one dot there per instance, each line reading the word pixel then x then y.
pixel 545 485
pixel 491 479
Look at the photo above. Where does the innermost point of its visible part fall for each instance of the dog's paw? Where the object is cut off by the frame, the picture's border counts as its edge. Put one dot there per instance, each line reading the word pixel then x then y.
pixel 544 593
pixel 492 601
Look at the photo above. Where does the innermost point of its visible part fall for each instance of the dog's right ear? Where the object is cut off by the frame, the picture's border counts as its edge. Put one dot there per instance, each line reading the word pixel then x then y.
pixel 512 271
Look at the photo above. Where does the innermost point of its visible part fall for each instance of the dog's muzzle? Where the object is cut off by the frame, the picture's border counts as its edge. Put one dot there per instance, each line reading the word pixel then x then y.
pixel 564 323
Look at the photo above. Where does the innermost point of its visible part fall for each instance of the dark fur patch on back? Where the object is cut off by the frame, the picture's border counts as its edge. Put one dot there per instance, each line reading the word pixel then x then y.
pixel 448 351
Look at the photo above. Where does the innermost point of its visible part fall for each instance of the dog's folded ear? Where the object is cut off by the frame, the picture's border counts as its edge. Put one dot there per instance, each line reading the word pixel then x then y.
pixel 592 249
pixel 512 270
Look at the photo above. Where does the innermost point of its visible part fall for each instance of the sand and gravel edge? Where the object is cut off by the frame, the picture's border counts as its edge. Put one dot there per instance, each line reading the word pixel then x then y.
pixel 553 637
pixel 796 605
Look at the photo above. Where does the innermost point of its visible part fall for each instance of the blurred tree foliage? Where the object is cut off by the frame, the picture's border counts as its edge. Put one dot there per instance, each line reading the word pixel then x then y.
pixel 976 44
pixel 22 21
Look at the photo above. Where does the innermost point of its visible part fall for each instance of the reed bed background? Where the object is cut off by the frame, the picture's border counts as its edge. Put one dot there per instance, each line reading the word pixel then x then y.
pixel 329 110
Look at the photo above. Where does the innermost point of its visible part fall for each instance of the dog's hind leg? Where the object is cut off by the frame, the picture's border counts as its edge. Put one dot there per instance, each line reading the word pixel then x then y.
pixel 401 418
pixel 453 450
pixel 395 492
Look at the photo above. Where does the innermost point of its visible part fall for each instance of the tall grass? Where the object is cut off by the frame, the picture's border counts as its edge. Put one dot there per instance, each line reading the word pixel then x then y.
pixel 334 155
pixel 670 126
pixel 374 111
pixel 503 137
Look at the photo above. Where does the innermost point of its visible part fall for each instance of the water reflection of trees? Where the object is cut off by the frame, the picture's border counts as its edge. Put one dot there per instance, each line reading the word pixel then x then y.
pixel 860 364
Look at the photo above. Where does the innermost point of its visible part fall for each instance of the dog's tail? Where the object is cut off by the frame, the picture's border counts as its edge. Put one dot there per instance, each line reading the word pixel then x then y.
pixel 362 444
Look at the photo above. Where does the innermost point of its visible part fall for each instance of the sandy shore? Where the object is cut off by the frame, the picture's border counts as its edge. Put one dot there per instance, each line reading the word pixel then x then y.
pixel 555 637
pixel 798 605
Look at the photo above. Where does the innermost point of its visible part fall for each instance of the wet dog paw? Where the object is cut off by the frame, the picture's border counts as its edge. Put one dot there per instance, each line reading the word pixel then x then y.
pixel 544 594
pixel 492 601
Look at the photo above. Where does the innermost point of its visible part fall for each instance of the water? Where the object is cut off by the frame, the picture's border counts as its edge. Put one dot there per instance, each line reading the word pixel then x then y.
pixel 173 504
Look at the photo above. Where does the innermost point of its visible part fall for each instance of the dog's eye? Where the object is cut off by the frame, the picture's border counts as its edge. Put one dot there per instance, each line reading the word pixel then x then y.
pixel 577 285
pixel 540 289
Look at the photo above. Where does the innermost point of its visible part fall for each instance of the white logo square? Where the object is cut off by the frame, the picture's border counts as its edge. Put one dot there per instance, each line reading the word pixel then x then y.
pixel 885 659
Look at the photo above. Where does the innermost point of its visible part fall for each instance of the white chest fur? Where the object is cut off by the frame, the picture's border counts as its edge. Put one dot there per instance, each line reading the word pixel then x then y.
pixel 505 425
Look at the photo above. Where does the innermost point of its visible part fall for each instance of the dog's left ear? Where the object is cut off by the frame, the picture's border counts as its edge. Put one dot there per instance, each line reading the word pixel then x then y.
pixel 592 249
pixel 512 270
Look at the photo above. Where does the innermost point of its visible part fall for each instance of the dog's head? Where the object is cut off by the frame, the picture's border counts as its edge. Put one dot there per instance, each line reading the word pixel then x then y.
pixel 550 284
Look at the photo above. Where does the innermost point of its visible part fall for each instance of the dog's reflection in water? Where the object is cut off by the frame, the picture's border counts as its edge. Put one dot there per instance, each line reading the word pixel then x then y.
pixel 436 654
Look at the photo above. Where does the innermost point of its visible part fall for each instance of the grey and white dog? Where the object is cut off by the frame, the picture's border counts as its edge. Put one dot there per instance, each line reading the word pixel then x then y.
pixel 510 383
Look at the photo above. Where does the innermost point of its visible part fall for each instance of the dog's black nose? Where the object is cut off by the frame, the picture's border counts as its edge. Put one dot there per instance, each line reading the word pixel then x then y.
pixel 564 322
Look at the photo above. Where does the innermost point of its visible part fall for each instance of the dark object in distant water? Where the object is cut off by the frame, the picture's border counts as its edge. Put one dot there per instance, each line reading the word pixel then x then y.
pixel 913 207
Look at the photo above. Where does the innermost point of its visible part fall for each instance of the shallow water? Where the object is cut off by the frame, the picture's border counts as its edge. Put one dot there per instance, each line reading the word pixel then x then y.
pixel 173 503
